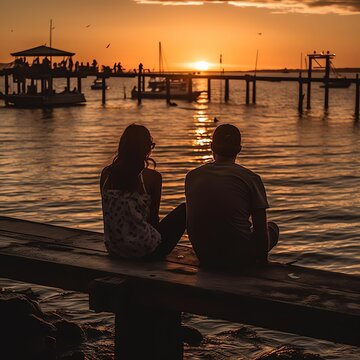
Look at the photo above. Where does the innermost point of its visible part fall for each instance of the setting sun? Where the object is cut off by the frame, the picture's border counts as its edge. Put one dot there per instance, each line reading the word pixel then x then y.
pixel 202 65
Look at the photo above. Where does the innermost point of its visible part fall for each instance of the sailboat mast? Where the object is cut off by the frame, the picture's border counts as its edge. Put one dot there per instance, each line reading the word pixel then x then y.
pixel 161 63
pixel 51 28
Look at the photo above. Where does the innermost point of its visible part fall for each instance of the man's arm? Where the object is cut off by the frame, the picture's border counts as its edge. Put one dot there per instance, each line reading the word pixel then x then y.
pixel 261 235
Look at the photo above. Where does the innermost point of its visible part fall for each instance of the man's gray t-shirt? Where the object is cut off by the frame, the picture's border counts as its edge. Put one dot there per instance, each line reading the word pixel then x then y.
pixel 220 198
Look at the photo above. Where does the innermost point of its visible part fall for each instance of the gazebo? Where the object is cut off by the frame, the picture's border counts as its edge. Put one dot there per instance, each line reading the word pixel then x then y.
pixel 42 50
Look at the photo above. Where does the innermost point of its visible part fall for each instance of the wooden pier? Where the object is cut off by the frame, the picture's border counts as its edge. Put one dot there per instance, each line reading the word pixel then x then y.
pixel 148 297
pixel 143 75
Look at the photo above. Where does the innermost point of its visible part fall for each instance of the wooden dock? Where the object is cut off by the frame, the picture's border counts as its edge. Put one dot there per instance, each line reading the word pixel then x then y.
pixel 250 81
pixel 288 298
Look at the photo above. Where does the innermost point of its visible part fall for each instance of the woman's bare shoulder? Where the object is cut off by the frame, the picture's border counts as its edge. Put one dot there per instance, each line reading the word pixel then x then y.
pixel 152 174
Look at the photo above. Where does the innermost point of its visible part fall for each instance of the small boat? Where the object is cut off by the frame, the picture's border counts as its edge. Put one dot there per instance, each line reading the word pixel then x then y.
pixel 340 83
pixel 38 100
pixel 98 84
pixel 162 94
pixel 157 86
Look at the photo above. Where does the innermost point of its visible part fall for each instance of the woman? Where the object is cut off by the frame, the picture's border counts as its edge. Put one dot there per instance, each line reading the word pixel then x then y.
pixel 131 195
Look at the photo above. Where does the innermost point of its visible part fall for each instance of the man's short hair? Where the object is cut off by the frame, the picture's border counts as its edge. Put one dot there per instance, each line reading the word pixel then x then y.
pixel 226 140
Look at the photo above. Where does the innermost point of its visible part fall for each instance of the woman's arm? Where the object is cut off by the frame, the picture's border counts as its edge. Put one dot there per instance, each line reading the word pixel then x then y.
pixel 103 177
pixel 261 235
pixel 153 184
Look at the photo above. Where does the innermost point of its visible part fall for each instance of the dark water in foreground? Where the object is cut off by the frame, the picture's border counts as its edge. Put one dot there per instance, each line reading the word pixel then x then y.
pixel 50 163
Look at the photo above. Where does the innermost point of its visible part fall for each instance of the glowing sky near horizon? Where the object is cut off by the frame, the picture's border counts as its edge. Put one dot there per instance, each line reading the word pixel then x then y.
pixel 190 31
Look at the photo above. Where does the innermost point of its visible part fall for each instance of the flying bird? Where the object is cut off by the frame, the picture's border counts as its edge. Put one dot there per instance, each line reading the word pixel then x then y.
pixel 12 30
pixel 88 25
pixel 108 45
pixel 259 33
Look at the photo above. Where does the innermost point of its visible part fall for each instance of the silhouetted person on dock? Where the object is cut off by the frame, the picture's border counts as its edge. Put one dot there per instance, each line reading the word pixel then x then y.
pixel 131 194
pixel 221 197
pixel 71 64
pixel 76 66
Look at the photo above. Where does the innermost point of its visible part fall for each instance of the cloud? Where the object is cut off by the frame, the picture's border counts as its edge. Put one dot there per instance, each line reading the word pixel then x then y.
pixel 341 7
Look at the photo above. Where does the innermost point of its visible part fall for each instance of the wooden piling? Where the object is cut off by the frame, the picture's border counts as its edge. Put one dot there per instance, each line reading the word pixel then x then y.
pixel 68 84
pixel 301 95
pixel 247 92
pixel 139 84
pixel 167 90
pixel 254 91
pixel 190 88
pixel 157 330
pixel 308 93
pixel 6 87
pixel 50 85
pixel 226 98
pixel 103 90
pixel 79 84
pixel 209 89
pixel 18 87
pixel 23 85
pixel 326 78
pixel 357 97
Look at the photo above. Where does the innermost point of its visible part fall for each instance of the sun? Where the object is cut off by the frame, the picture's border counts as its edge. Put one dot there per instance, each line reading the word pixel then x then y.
pixel 202 65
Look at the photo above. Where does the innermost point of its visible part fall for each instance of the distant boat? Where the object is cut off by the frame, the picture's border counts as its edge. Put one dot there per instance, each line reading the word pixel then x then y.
pixel 157 86
pixel 162 94
pixel 98 84
pixel 38 100
pixel 339 83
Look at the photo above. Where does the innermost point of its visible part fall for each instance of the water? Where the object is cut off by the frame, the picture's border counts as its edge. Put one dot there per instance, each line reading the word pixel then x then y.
pixel 50 161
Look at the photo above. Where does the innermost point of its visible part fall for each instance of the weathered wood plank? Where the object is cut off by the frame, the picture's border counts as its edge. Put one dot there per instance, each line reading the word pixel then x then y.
pixel 309 305
pixel 32 231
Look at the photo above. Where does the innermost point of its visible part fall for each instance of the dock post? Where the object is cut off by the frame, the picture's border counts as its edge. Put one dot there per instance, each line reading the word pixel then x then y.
pixel 50 85
pixel 139 84
pixel 308 93
pixel 301 95
pixel 357 97
pixel 327 75
pixel 6 90
pixel 24 86
pixel 247 92
pixel 6 87
pixel 226 98
pixel 254 91
pixel 154 329
pixel 167 90
pixel 209 89
pixel 142 330
pixel 68 84
pixel 79 84
pixel 103 89
pixel 42 86
pixel 18 86
pixel 190 95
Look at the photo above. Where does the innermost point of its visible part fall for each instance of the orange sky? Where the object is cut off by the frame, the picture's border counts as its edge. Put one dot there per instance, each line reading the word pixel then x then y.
pixel 188 33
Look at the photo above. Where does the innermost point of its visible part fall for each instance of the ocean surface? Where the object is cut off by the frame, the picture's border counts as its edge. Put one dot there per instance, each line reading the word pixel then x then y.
pixel 50 161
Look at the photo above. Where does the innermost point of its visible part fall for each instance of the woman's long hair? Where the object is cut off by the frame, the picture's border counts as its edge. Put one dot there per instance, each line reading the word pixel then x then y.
pixel 132 157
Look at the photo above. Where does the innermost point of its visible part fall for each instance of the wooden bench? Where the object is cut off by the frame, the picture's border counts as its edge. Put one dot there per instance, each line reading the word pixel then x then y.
pixel 148 297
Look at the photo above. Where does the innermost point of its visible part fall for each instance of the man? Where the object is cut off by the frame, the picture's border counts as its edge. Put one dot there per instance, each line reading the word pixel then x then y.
pixel 221 197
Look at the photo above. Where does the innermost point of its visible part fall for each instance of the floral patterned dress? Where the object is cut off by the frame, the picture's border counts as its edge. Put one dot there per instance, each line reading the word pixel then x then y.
pixel 126 229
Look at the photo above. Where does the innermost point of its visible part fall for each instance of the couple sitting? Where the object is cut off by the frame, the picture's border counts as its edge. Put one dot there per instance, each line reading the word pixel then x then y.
pixel 221 197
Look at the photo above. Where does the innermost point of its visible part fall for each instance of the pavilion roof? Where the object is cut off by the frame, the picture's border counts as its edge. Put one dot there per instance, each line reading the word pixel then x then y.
pixel 42 51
